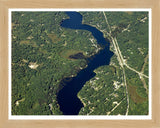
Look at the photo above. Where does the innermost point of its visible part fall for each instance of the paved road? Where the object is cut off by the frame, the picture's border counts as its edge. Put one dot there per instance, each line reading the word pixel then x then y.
pixel 120 59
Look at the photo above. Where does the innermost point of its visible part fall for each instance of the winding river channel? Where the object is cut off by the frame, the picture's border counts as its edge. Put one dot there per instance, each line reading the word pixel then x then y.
pixel 67 98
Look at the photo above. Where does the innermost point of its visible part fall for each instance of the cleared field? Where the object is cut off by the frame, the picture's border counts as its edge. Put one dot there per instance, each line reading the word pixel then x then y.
pixel 134 96
pixel 54 38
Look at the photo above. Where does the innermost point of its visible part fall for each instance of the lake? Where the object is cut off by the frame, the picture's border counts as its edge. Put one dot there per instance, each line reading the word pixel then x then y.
pixel 67 98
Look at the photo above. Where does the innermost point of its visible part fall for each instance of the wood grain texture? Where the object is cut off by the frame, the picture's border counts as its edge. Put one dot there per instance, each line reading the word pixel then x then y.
pixel 6 4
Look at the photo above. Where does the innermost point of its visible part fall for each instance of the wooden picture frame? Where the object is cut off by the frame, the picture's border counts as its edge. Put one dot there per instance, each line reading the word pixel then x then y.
pixel 5 122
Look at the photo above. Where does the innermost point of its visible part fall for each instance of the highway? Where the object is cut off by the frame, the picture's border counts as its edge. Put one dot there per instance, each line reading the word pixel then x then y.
pixel 121 61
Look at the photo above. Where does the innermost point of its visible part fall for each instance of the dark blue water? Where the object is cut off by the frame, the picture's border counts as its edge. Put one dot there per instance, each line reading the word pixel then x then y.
pixel 67 98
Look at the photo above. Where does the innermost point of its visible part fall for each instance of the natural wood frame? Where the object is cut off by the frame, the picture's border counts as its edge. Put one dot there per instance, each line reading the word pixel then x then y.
pixel 4 8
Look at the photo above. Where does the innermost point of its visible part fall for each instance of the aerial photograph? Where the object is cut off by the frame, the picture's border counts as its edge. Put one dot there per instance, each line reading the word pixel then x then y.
pixel 80 63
